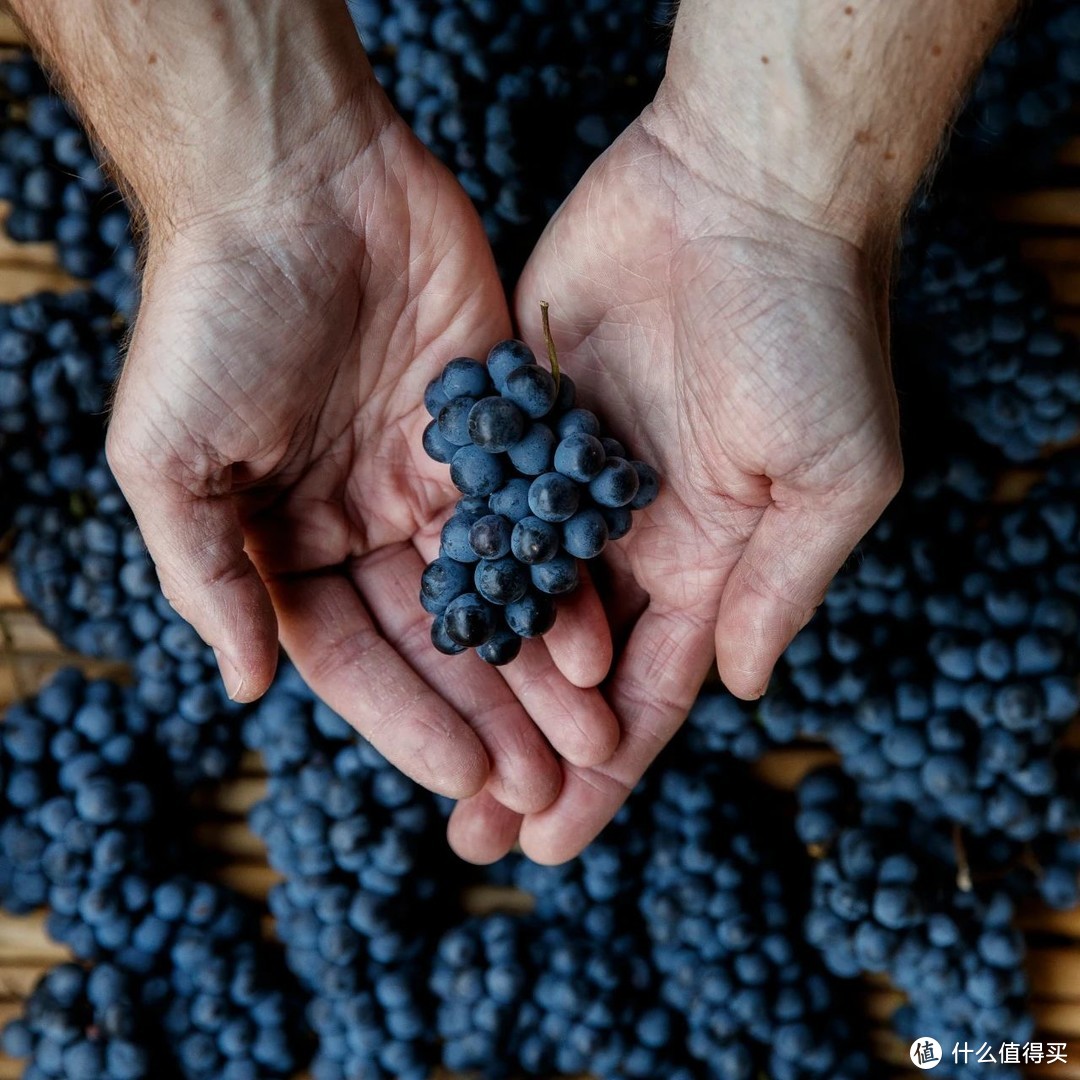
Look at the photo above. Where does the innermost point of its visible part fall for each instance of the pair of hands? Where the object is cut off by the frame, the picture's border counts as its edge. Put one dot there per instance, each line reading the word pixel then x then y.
pixel 267 434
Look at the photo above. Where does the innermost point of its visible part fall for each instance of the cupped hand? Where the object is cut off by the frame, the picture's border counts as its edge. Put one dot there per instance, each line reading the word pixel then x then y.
pixel 743 351
pixel 267 432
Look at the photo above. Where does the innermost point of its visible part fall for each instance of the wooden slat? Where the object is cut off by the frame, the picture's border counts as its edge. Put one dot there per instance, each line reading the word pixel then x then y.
pixel 230 838
pixel 9 593
pixel 486 899
pixel 23 941
pixel 33 671
pixel 17 980
pixel 27 636
pixel 1052 206
pixel 1055 973
pixel 19 281
pixel 250 880
pixel 1060 1017
pixel 1064 282
pixel 1036 918
pixel 1070 153
pixel 785 768
pixel 1051 250
pixel 232 796
pixel 1014 485
pixel 16 256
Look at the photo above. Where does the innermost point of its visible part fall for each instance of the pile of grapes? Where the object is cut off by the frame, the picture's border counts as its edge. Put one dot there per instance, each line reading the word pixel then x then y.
pixel 717 928
pixel 542 488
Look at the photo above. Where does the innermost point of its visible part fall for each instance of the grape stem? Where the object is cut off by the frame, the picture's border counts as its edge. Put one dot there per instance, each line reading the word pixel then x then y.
pixel 963 867
pixel 549 341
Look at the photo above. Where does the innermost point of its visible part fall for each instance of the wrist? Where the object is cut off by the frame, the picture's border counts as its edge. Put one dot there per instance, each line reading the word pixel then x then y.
pixel 208 107
pixel 772 192
pixel 830 112
pixel 246 170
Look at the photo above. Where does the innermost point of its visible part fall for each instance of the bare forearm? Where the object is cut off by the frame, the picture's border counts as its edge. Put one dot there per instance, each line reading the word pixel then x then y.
pixel 199 103
pixel 840 102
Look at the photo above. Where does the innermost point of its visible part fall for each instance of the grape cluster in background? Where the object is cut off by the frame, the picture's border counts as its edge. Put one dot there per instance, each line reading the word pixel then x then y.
pixel 543 488
pixel 717 928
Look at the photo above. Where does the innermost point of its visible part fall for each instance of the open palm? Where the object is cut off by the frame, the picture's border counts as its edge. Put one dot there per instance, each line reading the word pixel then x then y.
pixel 745 355
pixel 267 432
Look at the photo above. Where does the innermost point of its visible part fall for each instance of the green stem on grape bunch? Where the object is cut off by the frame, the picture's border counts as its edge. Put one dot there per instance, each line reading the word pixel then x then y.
pixel 553 359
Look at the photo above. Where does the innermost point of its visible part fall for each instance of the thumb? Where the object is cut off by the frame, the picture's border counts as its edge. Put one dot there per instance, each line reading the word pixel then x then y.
pixel 781 577
pixel 193 532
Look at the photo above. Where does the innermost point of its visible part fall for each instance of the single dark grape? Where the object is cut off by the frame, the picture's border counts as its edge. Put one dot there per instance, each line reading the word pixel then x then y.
pixel 553 497
pixel 469 620
pixel 442 640
pixel 505 357
pixel 490 536
pixel 534 540
pixel 476 472
pixel 464 376
pixel 443 580
pixel 580 457
pixel 454 420
pixel 648 485
pixel 473 507
pixel 532 389
pixel 616 484
pixel 501 581
pixel 503 646
pixel 434 398
pixel 495 424
pixel 618 520
pixel 585 535
pixel 454 539
pixel 577 421
pixel 532 615
pixel 534 453
pixel 556 576
pixel 511 500
pixel 438 448
pixel 613 448
pixel 567 393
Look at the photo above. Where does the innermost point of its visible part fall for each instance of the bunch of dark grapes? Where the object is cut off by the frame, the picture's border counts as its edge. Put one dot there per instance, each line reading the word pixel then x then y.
pixel 975 330
pixel 890 896
pixel 719 904
pixel 605 879
pixel 963 719
pixel 58 357
pixel 481 979
pixel 594 1007
pixel 78 800
pixel 361 848
pixel 228 1010
pixel 81 564
pixel 56 188
pixel 543 488
pixel 540 995
pixel 221 1003
pixel 177 681
pixel 83 832
pixel 84 1025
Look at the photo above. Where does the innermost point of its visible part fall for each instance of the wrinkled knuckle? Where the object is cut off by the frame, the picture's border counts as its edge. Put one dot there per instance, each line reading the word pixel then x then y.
pixel 120 450
pixel 135 451
pixel 888 477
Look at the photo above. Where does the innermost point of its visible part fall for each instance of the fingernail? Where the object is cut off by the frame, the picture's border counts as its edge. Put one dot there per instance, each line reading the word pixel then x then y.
pixel 230 675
